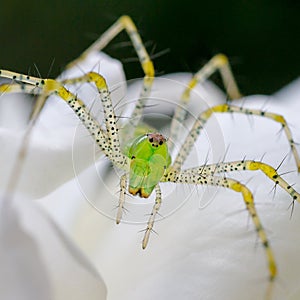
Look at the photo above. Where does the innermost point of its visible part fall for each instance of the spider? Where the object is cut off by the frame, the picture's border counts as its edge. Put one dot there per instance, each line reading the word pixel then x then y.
pixel 143 154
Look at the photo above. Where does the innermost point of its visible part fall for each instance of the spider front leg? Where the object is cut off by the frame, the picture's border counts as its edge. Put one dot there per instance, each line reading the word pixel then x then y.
pixel 126 23
pixel 155 209
pixel 123 186
pixel 153 214
pixel 191 178
pixel 226 108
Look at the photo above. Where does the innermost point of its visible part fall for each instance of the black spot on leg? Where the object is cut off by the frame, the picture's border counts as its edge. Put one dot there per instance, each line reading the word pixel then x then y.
pixel 266 244
pixel 259 228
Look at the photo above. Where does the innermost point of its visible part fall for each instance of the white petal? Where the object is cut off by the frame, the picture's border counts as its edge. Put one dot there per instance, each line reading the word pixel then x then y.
pixel 206 247
pixel 206 243
pixel 38 261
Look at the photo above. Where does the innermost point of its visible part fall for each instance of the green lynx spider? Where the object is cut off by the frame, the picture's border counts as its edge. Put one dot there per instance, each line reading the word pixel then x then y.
pixel 147 162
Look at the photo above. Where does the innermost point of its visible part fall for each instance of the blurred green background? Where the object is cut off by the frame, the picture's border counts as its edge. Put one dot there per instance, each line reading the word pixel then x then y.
pixel 261 38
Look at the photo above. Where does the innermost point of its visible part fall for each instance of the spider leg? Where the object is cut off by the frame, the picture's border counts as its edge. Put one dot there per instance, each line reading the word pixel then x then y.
pixel 190 178
pixel 227 108
pixel 19 88
pixel 218 63
pixel 26 88
pixel 153 214
pixel 123 183
pixel 250 165
pixel 107 141
pixel 126 23
pixel 110 118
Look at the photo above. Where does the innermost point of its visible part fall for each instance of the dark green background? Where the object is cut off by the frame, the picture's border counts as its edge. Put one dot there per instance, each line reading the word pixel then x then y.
pixel 260 37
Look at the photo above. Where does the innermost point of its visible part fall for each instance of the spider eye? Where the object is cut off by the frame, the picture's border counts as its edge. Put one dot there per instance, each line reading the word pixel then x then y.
pixel 161 142
pixel 151 140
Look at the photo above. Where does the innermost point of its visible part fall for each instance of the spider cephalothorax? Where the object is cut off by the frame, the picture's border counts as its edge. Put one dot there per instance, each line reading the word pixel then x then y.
pixel 149 160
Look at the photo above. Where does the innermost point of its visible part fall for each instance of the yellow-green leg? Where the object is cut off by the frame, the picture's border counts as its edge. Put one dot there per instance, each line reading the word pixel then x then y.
pixel 226 108
pixel 110 118
pixel 153 214
pixel 108 141
pixel 218 63
pixel 19 88
pixel 155 209
pixel 190 178
pixel 126 23
pixel 123 185
pixel 241 165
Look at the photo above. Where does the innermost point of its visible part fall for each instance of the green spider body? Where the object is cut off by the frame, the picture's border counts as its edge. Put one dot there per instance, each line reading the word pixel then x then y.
pixel 150 158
